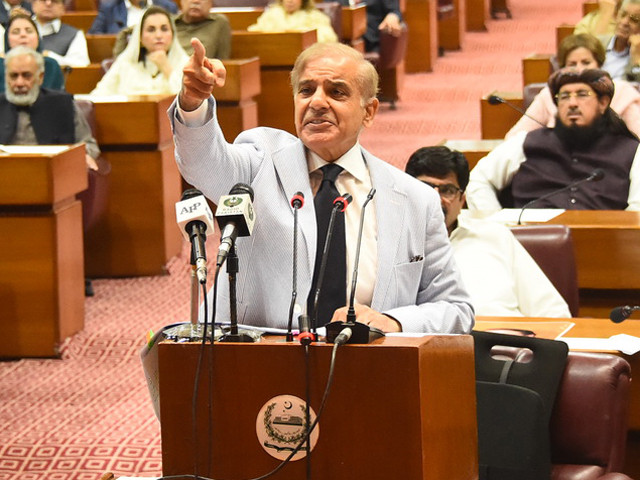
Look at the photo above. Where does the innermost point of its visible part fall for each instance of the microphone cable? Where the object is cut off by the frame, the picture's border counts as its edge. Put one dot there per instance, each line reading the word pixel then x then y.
pixel 342 338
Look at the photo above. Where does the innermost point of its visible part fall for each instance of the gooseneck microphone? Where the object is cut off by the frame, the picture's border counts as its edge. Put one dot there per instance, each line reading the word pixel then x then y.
pixel 195 220
pixel 297 202
pixel 361 333
pixel 620 314
pixel 236 217
pixel 595 176
pixel 340 204
pixel 496 100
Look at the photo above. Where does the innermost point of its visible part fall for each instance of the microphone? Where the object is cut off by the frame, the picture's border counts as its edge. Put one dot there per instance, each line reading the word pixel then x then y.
pixel 297 202
pixel 340 204
pixel 360 333
pixel 595 176
pixel 236 217
pixel 195 220
pixel 496 100
pixel 620 314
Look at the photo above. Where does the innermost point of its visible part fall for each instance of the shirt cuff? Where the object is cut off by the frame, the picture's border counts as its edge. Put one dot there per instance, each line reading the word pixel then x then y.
pixel 195 118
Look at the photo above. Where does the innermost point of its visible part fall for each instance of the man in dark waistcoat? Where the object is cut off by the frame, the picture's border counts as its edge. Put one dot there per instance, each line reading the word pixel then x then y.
pixel 65 44
pixel 31 115
pixel 588 135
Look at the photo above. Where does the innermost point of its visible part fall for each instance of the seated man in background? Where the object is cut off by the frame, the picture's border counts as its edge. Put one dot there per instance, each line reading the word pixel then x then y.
pixel 500 275
pixel 114 15
pixel 64 43
pixel 588 135
pixel 622 46
pixel 212 29
pixel 382 15
pixel 32 115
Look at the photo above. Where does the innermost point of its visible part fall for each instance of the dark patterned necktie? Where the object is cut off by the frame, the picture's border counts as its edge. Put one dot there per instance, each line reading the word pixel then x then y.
pixel 333 290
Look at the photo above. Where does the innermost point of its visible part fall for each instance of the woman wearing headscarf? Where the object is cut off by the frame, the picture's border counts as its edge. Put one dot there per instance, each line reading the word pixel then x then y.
pixel 21 30
pixel 151 63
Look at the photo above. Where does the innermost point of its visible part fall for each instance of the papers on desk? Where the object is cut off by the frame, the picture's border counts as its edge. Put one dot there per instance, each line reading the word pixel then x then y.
pixel 101 98
pixel 33 149
pixel 509 216
pixel 627 344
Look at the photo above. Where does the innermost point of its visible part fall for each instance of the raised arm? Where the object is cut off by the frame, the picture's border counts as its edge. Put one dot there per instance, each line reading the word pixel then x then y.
pixel 200 76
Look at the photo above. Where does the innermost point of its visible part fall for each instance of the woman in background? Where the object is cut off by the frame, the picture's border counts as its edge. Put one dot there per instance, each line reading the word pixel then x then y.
pixel 295 15
pixel 151 63
pixel 581 52
pixel 22 30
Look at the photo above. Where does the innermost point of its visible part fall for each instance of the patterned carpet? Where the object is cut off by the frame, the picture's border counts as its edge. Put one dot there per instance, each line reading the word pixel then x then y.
pixel 89 412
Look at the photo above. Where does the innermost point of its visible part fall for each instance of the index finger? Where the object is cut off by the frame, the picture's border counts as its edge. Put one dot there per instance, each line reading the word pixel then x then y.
pixel 198 51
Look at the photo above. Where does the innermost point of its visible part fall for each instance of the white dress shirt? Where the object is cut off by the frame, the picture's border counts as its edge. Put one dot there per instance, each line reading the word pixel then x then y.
pixel 78 53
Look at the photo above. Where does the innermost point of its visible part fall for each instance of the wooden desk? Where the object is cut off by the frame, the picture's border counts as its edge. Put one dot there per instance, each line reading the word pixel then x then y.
pixel 237 105
pixel 83 79
pixel 536 68
pixel 451 29
pixel 562 32
pixel 100 46
pixel 422 20
pixel 80 19
pixel 415 417
pixel 604 328
pixel 277 53
pixel 138 234
pixel 497 120
pixel 477 13
pixel 240 17
pixel 473 150
pixel 41 259
pixel 354 25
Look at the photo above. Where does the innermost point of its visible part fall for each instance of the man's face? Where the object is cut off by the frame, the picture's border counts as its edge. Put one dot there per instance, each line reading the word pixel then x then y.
pixel 329 111
pixel 23 80
pixel 578 105
pixel 48 10
pixel 628 21
pixel 451 199
pixel 195 10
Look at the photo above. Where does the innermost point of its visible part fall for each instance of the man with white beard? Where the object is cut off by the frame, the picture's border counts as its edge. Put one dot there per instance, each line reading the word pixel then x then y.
pixel 32 115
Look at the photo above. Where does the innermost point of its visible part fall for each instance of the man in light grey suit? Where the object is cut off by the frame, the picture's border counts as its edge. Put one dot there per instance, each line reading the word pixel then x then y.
pixel 408 279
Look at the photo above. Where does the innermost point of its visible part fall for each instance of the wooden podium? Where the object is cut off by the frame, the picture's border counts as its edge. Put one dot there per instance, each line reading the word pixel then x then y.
pixel 399 408
pixel 41 259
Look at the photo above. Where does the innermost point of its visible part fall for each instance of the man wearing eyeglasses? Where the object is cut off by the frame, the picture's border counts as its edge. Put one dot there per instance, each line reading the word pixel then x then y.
pixel 622 50
pixel 588 135
pixel 499 274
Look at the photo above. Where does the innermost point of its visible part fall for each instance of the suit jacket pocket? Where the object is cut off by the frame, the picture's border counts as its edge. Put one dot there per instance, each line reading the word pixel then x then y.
pixel 407 277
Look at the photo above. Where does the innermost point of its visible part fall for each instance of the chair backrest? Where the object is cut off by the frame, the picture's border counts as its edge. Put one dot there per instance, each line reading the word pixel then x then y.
pixel 551 246
pixel 589 422
pixel 334 11
pixel 529 93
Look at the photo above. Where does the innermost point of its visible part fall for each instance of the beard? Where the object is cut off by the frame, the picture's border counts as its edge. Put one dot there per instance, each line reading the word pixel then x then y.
pixel 23 99
pixel 580 136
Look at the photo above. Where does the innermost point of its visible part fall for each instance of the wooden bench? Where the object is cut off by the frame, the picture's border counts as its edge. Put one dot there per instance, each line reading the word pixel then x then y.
pixel 80 19
pixel 497 120
pixel 100 46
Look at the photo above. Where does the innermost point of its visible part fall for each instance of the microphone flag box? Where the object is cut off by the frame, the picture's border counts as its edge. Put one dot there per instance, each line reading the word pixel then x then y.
pixel 239 210
pixel 194 209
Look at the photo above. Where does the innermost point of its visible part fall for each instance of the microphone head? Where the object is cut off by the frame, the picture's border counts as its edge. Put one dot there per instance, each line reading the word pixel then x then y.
pixel 343 201
pixel 242 189
pixel 297 201
pixel 620 314
pixel 190 193
pixel 597 175
pixel 193 207
pixel 495 100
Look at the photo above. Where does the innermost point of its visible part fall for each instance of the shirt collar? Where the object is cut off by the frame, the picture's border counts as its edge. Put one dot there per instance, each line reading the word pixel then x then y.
pixel 352 161
pixel 610 49
pixel 49 28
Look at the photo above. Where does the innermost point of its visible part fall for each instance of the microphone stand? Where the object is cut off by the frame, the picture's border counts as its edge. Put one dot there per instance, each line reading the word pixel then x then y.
pixel 361 333
pixel 595 176
pixel 232 270
pixel 294 288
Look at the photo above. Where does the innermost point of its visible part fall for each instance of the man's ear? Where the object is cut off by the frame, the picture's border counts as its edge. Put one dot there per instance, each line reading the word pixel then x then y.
pixel 603 103
pixel 40 78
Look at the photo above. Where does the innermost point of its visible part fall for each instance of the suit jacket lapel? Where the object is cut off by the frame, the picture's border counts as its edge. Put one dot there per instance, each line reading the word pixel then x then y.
pixel 390 215
pixel 291 168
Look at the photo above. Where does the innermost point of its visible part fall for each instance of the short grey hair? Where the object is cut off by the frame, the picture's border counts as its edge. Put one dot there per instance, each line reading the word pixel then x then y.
pixel 20 51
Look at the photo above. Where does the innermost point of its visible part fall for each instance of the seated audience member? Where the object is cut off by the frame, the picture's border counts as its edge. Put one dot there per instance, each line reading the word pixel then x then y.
pixel 22 31
pixel 621 47
pixel 114 15
pixel 581 52
pixel 601 21
pixel 499 274
pixel 9 6
pixel 152 62
pixel 64 43
pixel 587 135
pixel 295 15
pixel 382 15
pixel 212 29
pixel 34 115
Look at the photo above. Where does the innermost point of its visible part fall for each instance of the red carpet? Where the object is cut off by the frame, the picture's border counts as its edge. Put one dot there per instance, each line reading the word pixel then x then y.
pixel 89 412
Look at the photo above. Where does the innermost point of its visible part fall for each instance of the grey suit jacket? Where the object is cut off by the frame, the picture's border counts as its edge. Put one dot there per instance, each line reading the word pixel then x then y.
pixel 417 281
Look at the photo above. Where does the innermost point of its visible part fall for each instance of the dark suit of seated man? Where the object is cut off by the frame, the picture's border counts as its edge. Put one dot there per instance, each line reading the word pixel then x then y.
pixel 33 115
pixel 114 15
pixel 588 135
